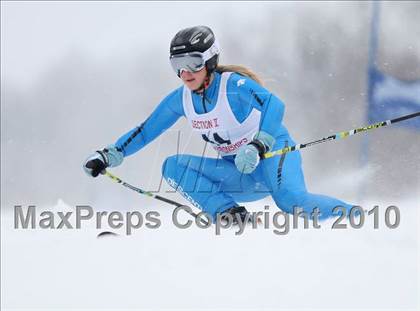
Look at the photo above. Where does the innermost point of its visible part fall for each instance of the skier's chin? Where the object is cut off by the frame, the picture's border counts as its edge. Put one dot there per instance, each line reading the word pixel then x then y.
pixel 192 85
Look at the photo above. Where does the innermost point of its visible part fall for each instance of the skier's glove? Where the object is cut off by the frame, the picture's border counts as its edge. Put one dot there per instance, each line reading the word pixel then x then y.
pixel 101 159
pixel 249 156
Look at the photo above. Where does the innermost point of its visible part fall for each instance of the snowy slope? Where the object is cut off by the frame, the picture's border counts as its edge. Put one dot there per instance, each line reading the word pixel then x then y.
pixel 173 268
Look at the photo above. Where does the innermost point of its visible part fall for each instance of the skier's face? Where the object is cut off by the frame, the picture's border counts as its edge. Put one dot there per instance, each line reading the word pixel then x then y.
pixel 193 80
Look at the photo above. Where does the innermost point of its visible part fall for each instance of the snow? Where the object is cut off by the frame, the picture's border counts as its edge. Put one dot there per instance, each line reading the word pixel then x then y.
pixel 193 268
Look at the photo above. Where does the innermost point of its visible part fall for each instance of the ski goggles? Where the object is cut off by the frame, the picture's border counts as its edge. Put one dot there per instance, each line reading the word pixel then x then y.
pixel 192 61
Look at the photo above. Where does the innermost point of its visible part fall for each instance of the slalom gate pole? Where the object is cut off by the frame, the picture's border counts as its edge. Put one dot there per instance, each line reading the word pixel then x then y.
pixel 341 135
pixel 150 194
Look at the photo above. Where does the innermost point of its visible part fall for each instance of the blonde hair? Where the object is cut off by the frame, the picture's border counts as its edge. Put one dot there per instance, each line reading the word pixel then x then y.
pixel 242 70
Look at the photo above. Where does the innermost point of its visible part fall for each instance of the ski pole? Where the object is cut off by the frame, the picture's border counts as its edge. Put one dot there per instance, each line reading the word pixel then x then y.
pixel 340 135
pixel 148 193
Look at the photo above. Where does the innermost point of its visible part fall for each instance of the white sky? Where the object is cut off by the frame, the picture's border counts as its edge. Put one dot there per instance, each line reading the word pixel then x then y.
pixel 35 34
pixel 38 33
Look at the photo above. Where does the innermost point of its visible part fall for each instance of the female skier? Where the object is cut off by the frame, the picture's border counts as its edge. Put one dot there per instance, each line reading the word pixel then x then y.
pixel 231 110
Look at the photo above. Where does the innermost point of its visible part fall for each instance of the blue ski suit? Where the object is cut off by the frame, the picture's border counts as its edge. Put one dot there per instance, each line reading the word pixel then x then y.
pixel 215 184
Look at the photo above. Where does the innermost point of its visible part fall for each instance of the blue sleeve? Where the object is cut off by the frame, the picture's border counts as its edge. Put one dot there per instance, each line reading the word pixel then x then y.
pixel 249 94
pixel 163 117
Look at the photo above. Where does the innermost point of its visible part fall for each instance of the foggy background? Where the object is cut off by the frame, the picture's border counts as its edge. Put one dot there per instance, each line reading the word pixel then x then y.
pixel 75 76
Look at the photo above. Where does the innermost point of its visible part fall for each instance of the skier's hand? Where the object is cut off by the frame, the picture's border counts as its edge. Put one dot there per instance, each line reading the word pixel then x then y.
pixel 101 159
pixel 247 159
pixel 249 156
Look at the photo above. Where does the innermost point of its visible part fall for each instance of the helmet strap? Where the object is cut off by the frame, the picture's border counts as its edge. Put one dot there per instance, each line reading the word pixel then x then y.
pixel 205 83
